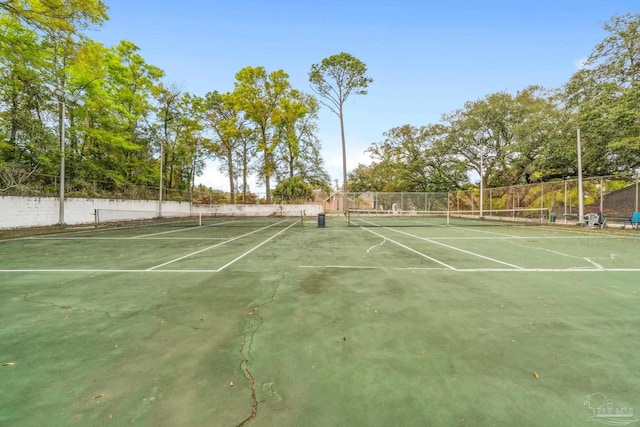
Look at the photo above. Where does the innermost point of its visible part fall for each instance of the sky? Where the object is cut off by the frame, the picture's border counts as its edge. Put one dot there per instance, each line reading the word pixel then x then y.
pixel 427 58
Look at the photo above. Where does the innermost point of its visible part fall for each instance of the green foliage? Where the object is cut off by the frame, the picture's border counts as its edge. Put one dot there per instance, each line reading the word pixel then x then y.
pixel 293 190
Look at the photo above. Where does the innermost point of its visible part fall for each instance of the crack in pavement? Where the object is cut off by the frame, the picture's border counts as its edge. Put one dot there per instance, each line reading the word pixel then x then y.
pixel 128 315
pixel 250 331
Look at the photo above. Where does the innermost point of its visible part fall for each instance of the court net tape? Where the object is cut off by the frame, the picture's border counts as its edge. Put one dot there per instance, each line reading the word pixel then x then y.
pixel 248 218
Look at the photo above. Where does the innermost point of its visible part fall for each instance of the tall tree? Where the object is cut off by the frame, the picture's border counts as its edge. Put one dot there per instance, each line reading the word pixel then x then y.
pixel 606 96
pixel 230 129
pixel 335 79
pixel 414 159
pixel 66 15
pixel 258 95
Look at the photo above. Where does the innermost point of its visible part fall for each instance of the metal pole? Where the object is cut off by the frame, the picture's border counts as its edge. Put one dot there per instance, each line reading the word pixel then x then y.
pixel 580 192
pixel 61 214
pixel 565 200
pixel 481 184
pixel 637 179
pixel 602 196
pixel 160 192
pixel 62 98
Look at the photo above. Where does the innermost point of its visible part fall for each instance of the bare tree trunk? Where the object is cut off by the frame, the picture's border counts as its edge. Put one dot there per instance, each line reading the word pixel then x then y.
pixel 344 164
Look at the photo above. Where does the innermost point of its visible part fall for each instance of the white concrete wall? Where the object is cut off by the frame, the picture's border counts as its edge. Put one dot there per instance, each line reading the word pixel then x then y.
pixel 16 212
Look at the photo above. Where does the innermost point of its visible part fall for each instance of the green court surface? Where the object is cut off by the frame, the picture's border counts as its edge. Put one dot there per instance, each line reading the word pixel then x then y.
pixel 293 325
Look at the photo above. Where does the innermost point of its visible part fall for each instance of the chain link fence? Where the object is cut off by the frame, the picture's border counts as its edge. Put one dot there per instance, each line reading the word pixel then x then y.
pixel 22 183
pixel 615 196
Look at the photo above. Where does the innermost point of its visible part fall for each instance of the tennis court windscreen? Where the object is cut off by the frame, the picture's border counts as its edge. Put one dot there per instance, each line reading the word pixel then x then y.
pixel 412 218
pixel 135 218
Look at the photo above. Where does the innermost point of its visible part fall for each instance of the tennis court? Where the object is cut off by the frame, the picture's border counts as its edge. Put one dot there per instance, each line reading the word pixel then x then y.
pixel 282 324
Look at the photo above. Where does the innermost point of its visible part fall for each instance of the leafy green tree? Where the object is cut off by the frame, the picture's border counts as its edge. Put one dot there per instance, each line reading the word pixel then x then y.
pixel 299 153
pixel 230 131
pixel 293 115
pixel 501 136
pixel 293 190
pixel 24 138
pixel 258 95
pixel 412 159
pixel 121 139
pixel 335 79
pixel 68 15
pixel 605 95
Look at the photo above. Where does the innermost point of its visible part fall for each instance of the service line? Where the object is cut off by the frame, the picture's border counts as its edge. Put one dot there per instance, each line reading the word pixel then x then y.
pixel 456 249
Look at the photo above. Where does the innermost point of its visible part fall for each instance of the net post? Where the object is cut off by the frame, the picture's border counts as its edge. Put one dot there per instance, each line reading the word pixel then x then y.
pixel 199 219
pixel 448 217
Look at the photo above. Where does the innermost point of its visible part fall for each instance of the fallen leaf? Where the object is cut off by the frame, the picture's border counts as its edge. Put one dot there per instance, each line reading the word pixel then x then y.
pixel 536 375
pixel 98 396
pixel 8 364
pixel 231 384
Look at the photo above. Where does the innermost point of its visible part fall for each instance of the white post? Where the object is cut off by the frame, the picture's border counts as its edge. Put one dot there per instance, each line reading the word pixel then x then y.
pixel 481 184
pixel 160 192
pixel 565 200
pixel 602 196
pixel 637 179
pixel 63 96
pixel 580 193
pixel 62 171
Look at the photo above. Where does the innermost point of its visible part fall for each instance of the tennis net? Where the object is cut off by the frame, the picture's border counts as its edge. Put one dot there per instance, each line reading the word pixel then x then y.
pixel 412 218
pixel 239 218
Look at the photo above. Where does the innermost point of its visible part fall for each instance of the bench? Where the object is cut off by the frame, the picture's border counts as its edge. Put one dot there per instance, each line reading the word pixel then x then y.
pixel 634 221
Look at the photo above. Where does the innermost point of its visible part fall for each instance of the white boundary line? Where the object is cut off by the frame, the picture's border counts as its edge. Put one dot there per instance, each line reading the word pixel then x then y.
pixel 155 268
pixel 254 248
pixel 218 244
pixel 457 270
pixel 411 249
pixel 128 238
pixel 455 249
pixel 480 270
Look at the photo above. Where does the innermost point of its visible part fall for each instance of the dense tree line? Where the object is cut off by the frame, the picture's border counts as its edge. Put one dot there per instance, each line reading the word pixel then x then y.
pixel 530 136
pixel 136 129
pixel 133 126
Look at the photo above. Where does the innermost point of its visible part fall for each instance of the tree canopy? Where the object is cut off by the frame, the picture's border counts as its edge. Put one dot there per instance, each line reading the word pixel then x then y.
pixel 135 132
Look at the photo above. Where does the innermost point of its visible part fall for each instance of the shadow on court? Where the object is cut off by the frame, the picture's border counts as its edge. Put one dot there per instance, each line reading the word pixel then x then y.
pixel 438 326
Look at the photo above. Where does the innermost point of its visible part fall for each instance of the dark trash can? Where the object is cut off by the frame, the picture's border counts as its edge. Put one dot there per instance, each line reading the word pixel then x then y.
pixel 552 217
pixel 321 220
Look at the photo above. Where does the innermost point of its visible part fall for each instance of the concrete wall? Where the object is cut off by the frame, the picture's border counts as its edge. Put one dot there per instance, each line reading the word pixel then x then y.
pixel 16 212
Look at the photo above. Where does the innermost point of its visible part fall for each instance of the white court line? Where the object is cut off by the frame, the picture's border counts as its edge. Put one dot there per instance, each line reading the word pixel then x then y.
pixel 455 249
pixel 128 238
pixel 411 249
pixel 479 270
pixel 511 237
pixel 153 269
pixel 219 244
pixel 84 270
pixel 458 270
pixel 254 248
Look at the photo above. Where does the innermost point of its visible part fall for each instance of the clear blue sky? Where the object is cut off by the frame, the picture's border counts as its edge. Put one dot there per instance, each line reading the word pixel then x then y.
pixel 427 58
